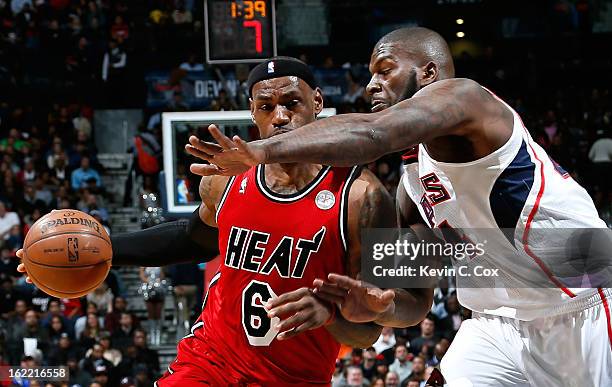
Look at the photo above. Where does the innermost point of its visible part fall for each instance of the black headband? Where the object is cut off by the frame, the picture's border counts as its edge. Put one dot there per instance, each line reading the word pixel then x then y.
pixel 280 66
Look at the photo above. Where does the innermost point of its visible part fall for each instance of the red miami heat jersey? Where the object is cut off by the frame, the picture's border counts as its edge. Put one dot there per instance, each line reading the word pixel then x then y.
pixel 271 244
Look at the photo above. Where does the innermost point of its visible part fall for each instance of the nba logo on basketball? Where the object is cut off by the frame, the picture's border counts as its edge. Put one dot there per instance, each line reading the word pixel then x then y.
pixel 73 250
pixel 270 67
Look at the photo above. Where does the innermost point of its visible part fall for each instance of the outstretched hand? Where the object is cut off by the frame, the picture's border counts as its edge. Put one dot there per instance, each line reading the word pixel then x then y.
pixel 229 157
pixel 358 301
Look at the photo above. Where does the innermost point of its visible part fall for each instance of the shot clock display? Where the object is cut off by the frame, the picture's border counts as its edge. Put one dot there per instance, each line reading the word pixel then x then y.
pixel 239 30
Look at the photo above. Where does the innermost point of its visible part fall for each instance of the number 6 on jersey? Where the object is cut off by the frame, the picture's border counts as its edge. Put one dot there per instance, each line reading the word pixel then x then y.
pixel 258 328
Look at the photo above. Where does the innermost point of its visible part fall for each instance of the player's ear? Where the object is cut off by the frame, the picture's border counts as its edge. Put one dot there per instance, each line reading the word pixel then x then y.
pixel 429 73
pixel 252 108
pixel 318 101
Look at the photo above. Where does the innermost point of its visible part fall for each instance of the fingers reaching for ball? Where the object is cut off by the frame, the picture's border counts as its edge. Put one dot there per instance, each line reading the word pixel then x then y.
pixel 21 267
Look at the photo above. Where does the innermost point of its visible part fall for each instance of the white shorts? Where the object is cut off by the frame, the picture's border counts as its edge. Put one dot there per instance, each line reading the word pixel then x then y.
pixel 572 348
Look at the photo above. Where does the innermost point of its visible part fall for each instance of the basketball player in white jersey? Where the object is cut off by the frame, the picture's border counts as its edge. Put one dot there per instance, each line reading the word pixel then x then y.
pixel 471 164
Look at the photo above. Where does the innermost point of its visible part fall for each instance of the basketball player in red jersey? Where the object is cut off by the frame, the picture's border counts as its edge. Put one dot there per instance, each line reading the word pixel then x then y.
pixel 280 227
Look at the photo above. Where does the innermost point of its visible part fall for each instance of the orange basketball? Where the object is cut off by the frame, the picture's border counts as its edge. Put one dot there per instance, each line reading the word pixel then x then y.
pixel 67 253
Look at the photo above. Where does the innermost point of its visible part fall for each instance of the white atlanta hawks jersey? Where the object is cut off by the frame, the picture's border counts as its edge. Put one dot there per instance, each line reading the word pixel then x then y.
pixel 519 188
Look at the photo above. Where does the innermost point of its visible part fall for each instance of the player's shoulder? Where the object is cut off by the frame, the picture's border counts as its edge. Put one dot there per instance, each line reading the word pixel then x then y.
pixel 211 189
pixel 459 86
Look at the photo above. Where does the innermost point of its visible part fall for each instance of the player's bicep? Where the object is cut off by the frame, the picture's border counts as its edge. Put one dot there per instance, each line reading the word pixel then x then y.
pixel 370 206
pixel 211 189
pixel 444 108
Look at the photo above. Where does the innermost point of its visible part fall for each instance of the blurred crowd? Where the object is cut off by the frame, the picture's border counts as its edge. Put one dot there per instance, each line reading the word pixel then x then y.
pixel 90 54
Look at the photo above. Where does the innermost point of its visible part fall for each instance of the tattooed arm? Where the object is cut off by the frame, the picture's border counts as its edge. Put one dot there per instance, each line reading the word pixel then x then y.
pixel 370 206
pixel 453 107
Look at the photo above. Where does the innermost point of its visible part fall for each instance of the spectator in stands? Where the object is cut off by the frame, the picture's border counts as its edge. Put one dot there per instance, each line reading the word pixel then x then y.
pixel 96 359
pixel 385 341
pixel 91 333
pixel 15 239
pixel 141 374
pixel 56 152
pixel 114 73
pixel 369 363
pixel 61 194
pixel 60 171
pixel 146 355
pixel 439 352
pixel 122 337
pixel 181 15
pixel 102 297
pixel 63 351
pixel 13 141
pixel 56 330
pixel 129 361
pixel 72 309
pixel 28 173
pixel 378 382
pixel 112 319
pixel 30 201
pixel 111 354
pixel 120 30
pixel 81 322
pixel 8 264
pixel 418 369
pixel 80 175
pixel 89 203
pixel 40 300
pixel 16 318
pixel 54 309
pixel 413 381
pixel 82 124
pixel 600 155
pixel 102 375
pixel 382 367
pixel 8 298
pixel 402 366
pixel 354 377
pixel 8 219
pixel 42 192
pixel 427 337
pixel 30 330
pixel 78 376
pixel 450 317
pixel 355 89
pixel 223 102
pixel 392 379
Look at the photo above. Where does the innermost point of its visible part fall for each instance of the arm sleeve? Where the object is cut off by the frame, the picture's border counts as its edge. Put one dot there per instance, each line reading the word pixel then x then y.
pixel 180 241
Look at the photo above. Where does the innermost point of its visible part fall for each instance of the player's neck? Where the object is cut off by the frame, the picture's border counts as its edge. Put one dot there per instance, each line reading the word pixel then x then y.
pixel 290 178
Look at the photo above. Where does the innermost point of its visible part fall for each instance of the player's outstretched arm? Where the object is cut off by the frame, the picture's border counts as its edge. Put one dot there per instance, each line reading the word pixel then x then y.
pixel 449 107
pixel 185 240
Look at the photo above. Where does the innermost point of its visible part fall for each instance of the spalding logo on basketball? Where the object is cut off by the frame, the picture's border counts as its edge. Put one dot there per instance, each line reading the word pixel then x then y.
pixel 70 218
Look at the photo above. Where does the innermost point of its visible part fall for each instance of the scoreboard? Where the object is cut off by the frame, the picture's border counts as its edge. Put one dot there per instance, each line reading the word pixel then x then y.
pixel 239 31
